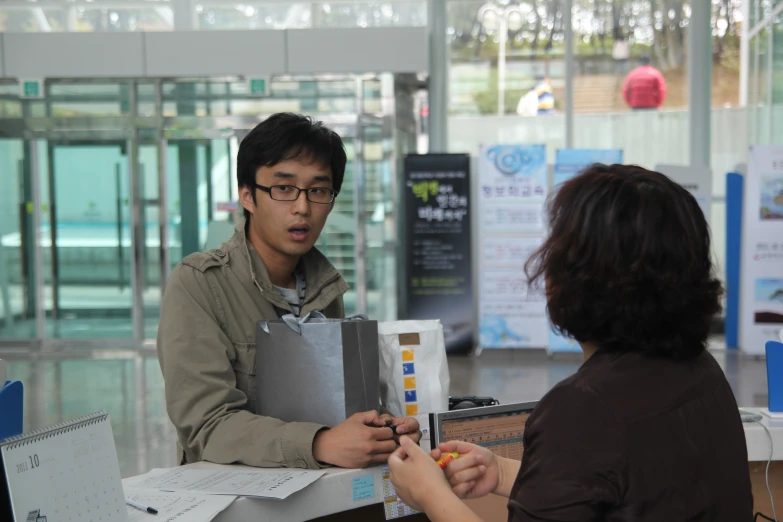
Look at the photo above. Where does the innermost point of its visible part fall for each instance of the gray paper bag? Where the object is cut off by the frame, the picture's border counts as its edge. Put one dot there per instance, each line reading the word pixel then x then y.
pixel 313 369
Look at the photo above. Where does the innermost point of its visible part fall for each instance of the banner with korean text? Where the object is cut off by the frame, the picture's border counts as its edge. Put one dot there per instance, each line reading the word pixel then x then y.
pixel 512 192
pixel 438 277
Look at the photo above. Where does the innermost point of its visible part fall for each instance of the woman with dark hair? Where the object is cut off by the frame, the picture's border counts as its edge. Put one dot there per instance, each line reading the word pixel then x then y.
pixel 648 428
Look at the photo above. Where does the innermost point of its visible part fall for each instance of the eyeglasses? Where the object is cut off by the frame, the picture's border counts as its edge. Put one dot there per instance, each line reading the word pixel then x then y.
pixel 291 193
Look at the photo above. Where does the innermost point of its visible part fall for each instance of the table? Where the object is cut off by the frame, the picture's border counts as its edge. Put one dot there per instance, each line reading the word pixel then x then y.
pixel 758 440
pixel 758 455
pixel 331 498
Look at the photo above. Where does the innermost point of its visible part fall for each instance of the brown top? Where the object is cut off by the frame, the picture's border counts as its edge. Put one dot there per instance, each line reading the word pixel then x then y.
pixel 634 438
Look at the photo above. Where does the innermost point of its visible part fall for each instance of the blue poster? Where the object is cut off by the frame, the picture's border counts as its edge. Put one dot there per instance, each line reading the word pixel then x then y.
pixel 569 163
pixel 512 191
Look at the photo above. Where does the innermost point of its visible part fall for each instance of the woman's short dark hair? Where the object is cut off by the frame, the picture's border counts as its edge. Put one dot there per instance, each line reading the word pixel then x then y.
pixel 628 263
pixel 285 136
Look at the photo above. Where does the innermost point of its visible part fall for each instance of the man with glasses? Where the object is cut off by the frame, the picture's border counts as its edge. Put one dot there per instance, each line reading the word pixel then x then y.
pixel 289 171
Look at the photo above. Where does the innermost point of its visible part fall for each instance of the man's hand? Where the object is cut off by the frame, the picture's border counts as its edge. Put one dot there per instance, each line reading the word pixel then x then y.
pixel 360 441
pixel 404 426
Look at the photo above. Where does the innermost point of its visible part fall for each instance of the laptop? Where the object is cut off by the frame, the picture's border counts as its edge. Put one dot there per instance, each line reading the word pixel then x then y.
pixel 498 428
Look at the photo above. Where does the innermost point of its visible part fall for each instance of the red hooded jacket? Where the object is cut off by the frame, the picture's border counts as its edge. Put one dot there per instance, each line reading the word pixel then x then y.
pixel 644 88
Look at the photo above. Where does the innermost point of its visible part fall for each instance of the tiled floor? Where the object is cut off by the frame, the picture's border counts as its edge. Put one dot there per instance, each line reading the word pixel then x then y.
pixel 65 382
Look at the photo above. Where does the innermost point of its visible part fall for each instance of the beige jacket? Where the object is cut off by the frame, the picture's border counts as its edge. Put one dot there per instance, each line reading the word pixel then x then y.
pixel 207 351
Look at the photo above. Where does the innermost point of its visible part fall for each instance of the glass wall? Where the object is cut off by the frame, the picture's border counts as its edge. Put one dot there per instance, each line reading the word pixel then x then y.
pixel 304 15
pixel 500 52
pixel 17 294
pixel 777 77
pixel 158 15
pixel 765 85
pixel 503 55
pixel 509 50
pixel 98 166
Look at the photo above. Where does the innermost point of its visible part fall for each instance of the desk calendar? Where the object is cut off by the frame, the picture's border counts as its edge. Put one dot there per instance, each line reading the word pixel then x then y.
pixel 65 473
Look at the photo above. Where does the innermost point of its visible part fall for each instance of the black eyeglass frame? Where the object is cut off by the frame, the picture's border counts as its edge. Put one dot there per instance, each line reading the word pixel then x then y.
pixel 299 191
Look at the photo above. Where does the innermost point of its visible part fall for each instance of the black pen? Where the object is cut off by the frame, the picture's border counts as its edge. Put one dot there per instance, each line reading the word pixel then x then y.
pixel 150 510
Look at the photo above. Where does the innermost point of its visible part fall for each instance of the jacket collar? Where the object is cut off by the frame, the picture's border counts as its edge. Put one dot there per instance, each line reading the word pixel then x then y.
pixel 319 272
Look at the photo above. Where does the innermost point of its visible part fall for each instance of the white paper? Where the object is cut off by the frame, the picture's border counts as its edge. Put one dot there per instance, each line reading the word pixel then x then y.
pixel 174 507
pixel 276 484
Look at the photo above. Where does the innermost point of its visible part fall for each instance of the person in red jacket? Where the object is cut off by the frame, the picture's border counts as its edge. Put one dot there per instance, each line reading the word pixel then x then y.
pixel 644 87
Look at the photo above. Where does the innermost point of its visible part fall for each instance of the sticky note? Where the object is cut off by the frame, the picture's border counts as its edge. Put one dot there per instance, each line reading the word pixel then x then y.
pixel 407 355
pixel 410 396
pixel 411 409
pixel 410 383
pixel 363 488
pixel 408 368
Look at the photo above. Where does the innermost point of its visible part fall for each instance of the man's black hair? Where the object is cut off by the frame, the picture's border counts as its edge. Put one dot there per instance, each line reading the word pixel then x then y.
pixel 286 136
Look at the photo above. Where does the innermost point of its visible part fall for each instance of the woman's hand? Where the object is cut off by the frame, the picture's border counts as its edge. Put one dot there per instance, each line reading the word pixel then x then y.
pixel 418 479
pixel 475 473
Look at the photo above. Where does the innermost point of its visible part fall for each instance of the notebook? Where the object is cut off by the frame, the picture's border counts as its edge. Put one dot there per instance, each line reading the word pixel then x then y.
pixel 65 473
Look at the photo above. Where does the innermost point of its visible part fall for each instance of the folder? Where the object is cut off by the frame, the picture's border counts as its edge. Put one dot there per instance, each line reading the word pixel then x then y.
pixel 775 376
pixel 11 409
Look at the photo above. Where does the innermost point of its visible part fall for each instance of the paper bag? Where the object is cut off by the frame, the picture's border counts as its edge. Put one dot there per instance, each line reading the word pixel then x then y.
pixel 313 369
pixel 414 370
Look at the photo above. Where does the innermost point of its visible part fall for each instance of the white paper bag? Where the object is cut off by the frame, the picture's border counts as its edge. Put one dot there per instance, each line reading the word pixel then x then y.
pixel 414 370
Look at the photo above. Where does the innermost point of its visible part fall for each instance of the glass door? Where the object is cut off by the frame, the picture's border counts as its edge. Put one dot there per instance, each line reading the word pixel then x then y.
pixel 376 217
pixel 104 250
pixel 150 233
pixel 90 282
pixel 17 281
pixel 202 194
pixel 339 241
pixel 193 179
pixel 112 185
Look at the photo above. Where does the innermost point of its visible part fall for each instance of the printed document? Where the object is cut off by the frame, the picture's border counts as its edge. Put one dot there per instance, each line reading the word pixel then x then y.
pixel 175 507
pixel 259 483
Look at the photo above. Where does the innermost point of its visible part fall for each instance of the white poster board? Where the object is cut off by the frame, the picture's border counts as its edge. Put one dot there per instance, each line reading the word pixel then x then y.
pixel 696 180
pixel 761 269
pixel 512 192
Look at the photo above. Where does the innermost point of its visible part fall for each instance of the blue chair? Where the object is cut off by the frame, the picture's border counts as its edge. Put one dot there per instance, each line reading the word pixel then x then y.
pixel 775 376
pixel 11 406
